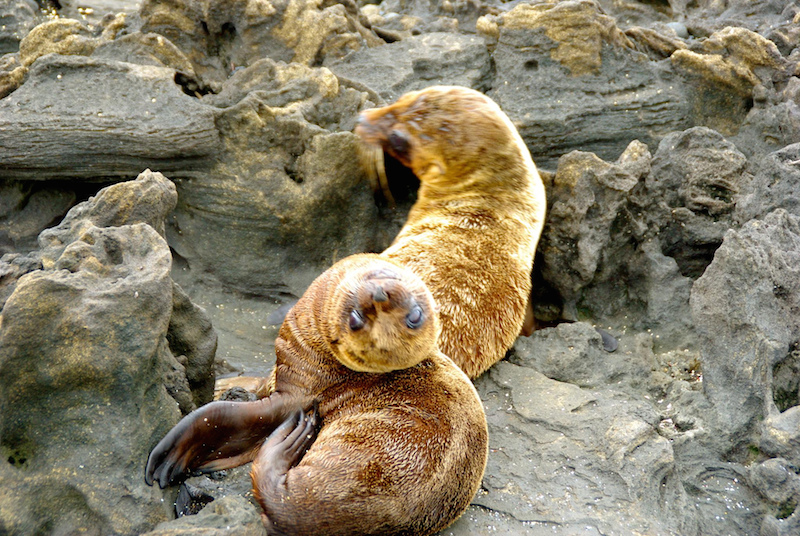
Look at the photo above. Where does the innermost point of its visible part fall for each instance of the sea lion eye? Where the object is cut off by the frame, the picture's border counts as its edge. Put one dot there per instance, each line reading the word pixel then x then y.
pixel 398 141
pixel 356 320
pixel 415 318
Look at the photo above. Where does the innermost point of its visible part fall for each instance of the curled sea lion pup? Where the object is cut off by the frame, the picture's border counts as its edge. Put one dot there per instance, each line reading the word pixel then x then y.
pixel 472 233
pixel 403 440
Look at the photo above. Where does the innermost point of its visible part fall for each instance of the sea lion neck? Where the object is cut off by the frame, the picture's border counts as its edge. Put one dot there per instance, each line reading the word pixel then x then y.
pixel 483 187
pixel 498 172
pixel 304 359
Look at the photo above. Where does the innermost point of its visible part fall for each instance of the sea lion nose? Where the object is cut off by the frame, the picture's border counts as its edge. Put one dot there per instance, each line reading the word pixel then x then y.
pixel 379 295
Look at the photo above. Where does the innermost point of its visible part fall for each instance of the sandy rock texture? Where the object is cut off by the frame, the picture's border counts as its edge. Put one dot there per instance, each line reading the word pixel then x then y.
pixel 94 339
pixel 668 136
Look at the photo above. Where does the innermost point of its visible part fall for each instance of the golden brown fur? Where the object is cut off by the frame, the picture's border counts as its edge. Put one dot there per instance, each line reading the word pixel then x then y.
pixel 472 234
pixel 403 443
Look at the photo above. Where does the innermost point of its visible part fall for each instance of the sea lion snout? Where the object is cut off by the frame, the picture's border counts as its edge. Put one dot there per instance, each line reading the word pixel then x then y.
pixel 383 288
pixel 379 295
pixel 374 125
pixel 366 127
pixel 386 295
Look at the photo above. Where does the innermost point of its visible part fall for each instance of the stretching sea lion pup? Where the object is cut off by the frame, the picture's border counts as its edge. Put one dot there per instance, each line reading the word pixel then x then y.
pixel 403 440
pixel 472 233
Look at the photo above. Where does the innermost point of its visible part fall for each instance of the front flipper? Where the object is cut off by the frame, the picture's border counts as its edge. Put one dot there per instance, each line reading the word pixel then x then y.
pixel 283 450
pixel 219 435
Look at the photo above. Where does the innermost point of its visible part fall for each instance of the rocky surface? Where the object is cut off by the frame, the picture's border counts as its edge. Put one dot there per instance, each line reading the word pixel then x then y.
pixel 667 134
pixel 94 339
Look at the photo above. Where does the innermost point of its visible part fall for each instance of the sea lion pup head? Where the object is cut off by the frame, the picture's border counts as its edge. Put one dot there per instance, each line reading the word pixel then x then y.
pixel 451 137
pixel 383 318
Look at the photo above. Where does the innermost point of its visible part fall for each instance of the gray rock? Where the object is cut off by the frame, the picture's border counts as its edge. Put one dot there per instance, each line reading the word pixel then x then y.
pixel 227 516
pixel 12 74
pixel 757 15
pixel 586 200
pixel 193 342
pixel 745 310
pixel 129 118
pixel 26 209
pixel 147 49
pixel 95 11
pixel 289 175
pixel 417 62
pixel 218 36
pixel 771 124
pixel 777 480
pixel 423 16
pixel 655 281
pixel 17 18
pixel 695 179
pixel 623 241
pixel 12 267
pixel 82 399
pixel 262 142
pixel 775 184
pixel 87 370
pixel 573 353
pixel 680 29
pixel 600 250
pixel 773 526
pixel 549 468
pixel 673 433
pixel 148 200
pixel 594 94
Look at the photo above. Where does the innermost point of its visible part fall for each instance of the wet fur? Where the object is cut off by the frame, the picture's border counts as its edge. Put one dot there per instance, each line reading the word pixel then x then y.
pixel 472 234
pixel 402 449
pixel 400 452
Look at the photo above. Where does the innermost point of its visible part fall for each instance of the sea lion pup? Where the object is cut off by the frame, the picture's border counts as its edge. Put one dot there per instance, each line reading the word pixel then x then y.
pixel 472 233
pixel 403 442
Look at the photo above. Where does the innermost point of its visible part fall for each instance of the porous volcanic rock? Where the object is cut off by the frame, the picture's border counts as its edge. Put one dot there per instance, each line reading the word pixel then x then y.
pixel 84 351
pixel 667 135
pixel 746 307
pixel 596 93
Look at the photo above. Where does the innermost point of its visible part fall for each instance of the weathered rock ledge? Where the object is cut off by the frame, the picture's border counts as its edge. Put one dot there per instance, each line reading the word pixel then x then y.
pixel 667 133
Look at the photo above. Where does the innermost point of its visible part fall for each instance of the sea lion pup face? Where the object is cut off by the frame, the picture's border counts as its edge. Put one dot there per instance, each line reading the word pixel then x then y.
pixel 386 319
pixel 445 134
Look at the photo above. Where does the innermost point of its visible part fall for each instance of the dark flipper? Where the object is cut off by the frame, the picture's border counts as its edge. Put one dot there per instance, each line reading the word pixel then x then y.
pixel 283 450
pixel 219 435
pixel 190 500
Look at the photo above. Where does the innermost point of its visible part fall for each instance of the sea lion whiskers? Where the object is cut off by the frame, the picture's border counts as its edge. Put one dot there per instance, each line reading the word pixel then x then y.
pixel 373 163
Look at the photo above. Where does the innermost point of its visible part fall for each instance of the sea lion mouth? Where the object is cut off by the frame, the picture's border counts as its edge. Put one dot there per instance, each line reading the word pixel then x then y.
pixel 382 273
pixel 385 132
pixel 384 152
